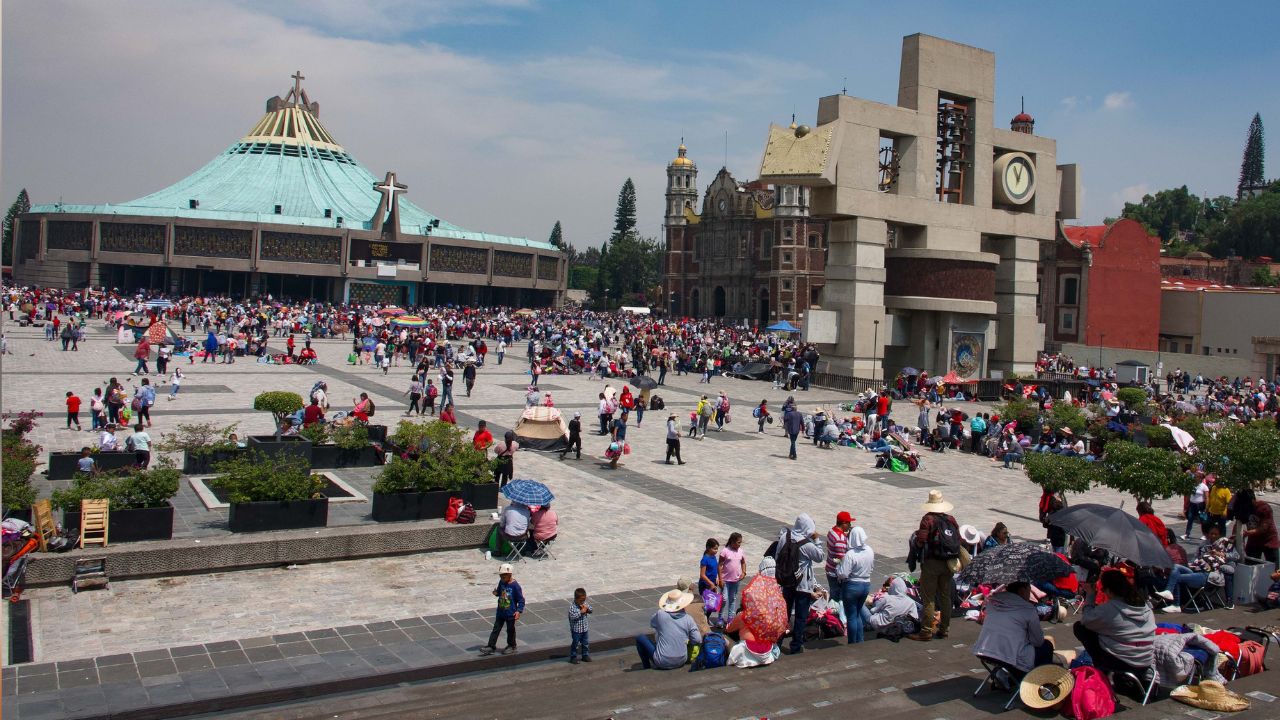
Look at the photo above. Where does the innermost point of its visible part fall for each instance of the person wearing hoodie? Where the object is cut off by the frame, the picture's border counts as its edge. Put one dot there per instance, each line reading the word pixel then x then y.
pixel 803 536
pixel 854 575
pixel 893 604
pixel 1120 633
pixel 1011 632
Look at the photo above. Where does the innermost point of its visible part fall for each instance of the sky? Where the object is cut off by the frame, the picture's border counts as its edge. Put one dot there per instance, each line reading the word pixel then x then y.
pixel 507 115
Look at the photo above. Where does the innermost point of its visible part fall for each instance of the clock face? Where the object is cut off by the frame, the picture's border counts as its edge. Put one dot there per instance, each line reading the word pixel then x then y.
pixel 1015 180
pixel 723 205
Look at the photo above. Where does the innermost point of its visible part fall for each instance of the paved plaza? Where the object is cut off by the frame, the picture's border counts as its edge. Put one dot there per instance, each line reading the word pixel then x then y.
pixel 624 533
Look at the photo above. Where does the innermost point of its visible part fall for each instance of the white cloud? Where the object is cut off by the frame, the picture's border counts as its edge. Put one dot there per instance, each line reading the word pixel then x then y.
pixel 388 18
pixel 1069 103
pixel 1119 100
pixel 1129 194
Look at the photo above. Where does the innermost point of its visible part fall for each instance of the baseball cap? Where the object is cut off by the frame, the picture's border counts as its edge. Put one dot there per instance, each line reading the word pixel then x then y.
pixel 505 569
pixel 843 517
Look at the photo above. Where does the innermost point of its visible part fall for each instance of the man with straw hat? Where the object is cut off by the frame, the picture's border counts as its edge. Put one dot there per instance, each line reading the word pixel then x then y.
pixel 937 545
pixel 676 631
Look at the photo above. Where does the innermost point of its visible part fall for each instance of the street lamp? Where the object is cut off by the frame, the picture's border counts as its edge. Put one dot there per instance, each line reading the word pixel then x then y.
pixel 875 347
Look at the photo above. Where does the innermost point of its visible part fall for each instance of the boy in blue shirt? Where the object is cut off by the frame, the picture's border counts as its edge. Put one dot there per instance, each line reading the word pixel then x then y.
pixel 510 605
pixel 578 612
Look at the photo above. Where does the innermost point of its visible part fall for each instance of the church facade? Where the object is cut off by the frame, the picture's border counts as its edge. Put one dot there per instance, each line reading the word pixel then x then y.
pixel 746 252
pixel 286 211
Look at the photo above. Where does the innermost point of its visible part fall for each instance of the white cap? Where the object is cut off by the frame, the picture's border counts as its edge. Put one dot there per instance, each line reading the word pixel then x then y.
pixel 505 569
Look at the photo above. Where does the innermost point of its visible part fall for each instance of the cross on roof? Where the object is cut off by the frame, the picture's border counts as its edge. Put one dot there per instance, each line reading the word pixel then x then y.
pixel 298 77
pixel 389 187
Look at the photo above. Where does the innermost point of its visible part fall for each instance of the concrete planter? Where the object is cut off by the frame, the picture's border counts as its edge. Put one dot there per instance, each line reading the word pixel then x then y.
pixel 273 446
pixel 332 456
pixel 378 433
pixel 62 465
pixel 396 507
pixel 482 496
pixel 277 515
pixel 133 525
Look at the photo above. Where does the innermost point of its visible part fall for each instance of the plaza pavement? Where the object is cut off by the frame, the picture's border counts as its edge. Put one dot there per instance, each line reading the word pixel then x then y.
pixel 637 527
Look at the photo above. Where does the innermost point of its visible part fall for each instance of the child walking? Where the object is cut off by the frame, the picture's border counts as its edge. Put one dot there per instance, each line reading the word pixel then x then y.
pixel 578 613
pixel 510 605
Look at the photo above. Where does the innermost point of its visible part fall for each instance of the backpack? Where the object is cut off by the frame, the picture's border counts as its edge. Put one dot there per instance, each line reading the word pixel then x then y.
pixel 755 413
pixel 466 514
pixel 1091 696
pixel 713 653
pixel 787 570
pixel 900 627
pixel 432 392
pixel 1251 657
pixel 944 538
pixel 451 510
pixel 657 403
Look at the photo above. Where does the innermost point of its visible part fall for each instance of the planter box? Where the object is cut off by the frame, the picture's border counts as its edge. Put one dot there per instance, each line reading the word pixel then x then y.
pixel 394 507
pixel 203 464
pixel 277 515
pixel 133 525
pixel 332 456
pixel 378 433
pixel 62 465
pixel 273 446
pixel 483 496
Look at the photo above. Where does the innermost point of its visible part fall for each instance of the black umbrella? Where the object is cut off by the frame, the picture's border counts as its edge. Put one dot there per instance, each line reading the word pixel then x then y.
pixel 1015 562
pixel 644 382
pixel 1115 530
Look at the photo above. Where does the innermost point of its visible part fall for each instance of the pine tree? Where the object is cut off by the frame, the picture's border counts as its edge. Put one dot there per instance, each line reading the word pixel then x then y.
pixel 1251 170
pixel 21 205
pixel 624 218
pixel 602 278
pixel 557 237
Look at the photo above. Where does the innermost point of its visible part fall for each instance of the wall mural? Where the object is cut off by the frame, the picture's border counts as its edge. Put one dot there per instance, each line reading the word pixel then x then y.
pixel 131 238
pixel 297 247
pixel 512 264
pixel 212 242
pixel 377 293
pixel 450 258
pixel 69 235
pixel 967 353
pixel 548 268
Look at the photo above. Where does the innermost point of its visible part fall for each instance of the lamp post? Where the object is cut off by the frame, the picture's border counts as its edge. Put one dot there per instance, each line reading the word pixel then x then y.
pixel 875 347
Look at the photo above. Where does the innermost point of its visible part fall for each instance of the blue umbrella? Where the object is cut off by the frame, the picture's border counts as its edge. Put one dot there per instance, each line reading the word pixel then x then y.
pixel 527 492
pixel 783 326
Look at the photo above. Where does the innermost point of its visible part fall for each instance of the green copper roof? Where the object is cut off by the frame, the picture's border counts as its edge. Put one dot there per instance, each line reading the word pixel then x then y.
pixel 288 159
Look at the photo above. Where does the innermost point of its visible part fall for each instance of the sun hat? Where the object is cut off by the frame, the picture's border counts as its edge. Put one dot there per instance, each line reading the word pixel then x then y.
pixel 1045 687
pixel 504 569
pixel 1210 695
pixel 1067 431
pixel 970 534
pixel 674 600
pixel 936 503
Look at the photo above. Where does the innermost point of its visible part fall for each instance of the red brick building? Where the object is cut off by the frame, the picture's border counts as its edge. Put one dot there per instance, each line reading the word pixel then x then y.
pixel 1100 285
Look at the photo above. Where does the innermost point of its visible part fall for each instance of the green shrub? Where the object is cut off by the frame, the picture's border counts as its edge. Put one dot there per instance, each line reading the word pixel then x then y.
pixel 1159 436
pixel 1024 412
pixel 127 489
pixel 1066 415
pixel 350 436
pixel 1059 474
pixel 256 476
pixel 1143 472
pixel 441 457
pixel 1133 398
pixel 280 403
pixel 318 433
pixel 198 440
pixel 21 456
pixel 1242 456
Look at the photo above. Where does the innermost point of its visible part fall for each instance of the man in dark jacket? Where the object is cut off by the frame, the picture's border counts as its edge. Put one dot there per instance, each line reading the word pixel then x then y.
pixel 792 423
pixel 575 437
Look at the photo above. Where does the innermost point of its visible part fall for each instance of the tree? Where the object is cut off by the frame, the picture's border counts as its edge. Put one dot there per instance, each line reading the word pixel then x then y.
pixel 1252 228
pixel 1242 456
pixel 633 266
pixel 624 217
pixel 557 237
pixel 601 286
pixel 1146 473
pixel 1251 171
pixel 1167 213
pixel 1058 473
pixel 1262 277
pixel 21 205
pixel 582 277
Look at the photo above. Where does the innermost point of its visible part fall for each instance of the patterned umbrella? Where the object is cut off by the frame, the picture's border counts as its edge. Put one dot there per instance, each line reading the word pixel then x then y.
pixel 1015 562
pixel 527 492
pixel 158 333
pixel 764 610
pixel 409 321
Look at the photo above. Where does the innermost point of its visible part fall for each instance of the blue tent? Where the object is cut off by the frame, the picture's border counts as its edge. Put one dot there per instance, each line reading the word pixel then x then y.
pixel 783 326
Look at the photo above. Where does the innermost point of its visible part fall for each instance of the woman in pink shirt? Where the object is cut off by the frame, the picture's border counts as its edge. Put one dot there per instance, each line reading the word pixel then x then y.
pixel 733 568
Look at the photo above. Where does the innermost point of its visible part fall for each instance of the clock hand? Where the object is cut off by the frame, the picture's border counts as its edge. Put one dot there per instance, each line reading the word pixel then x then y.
pixel 1017 173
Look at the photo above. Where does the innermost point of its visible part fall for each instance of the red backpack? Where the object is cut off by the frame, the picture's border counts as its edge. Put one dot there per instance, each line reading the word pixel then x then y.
pixel 1091 696
pixel 1252 654
pixel 451 511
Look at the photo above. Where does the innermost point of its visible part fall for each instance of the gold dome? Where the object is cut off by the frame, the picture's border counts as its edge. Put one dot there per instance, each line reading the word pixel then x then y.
pixel 681 160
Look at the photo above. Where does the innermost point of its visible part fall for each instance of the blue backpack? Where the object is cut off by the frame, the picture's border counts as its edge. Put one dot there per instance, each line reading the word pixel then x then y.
pixel 713 653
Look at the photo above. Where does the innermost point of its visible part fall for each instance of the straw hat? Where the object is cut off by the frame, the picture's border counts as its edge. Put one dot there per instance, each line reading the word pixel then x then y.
pixel 1045 687
pixel 1210 695
pixel 675 600
pixel 936 503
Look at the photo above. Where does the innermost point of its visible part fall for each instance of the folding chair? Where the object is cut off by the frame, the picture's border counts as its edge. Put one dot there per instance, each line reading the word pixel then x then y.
pixel 93 522
pixel 1147 686
pixel 517 547
pixel 1208 597
pixel 993 668
pixel 542 549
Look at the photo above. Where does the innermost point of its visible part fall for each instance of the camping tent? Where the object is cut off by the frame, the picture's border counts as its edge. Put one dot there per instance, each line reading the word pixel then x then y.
pixel 542 428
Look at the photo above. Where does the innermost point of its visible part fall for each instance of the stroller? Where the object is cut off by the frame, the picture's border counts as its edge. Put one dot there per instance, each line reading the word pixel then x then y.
pixel 15 571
